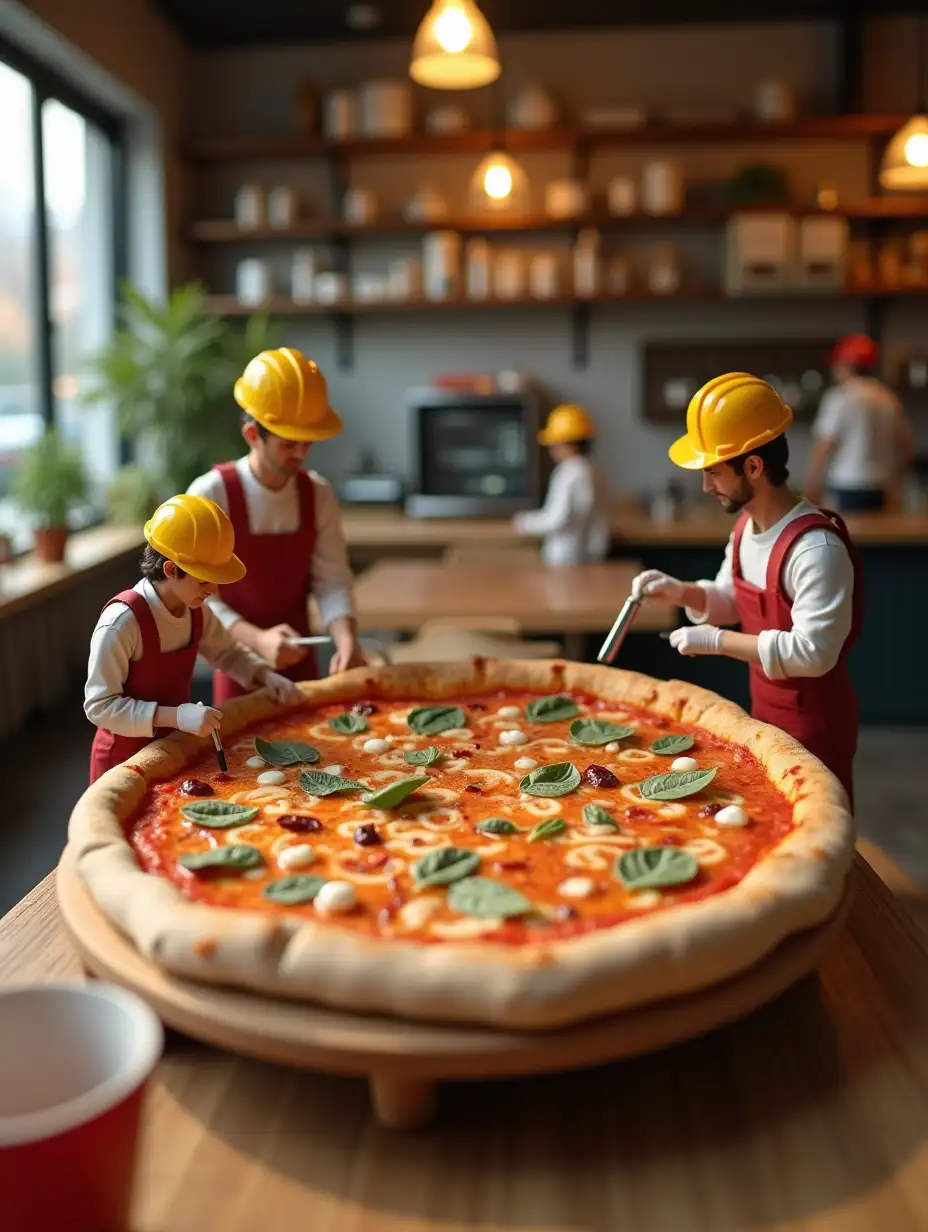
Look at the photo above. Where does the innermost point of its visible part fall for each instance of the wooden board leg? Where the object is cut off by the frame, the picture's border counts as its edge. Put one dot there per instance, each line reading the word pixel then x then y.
pixel 403 1103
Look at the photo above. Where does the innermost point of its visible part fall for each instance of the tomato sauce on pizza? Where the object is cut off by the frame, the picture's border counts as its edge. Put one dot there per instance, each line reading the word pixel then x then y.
pixel 509 816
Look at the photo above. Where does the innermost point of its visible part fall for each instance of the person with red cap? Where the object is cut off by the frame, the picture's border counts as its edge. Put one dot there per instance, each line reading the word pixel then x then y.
pixel 862 444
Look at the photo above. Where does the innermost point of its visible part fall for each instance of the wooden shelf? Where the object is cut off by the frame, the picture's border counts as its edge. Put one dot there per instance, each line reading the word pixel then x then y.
pixel 286 146
pixel 228 305
pixel 227 231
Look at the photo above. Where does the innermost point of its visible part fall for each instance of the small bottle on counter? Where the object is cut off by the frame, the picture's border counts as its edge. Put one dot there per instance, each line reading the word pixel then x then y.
pixel 479 264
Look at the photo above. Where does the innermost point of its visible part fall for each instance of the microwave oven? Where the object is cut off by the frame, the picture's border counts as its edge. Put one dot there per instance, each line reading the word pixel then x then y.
pixel 476 454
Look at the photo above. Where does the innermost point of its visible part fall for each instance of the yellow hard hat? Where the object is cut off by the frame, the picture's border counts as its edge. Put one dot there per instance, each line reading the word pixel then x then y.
pixel 198 536
pixel 567 423
pixel 730 415
pixel 287 394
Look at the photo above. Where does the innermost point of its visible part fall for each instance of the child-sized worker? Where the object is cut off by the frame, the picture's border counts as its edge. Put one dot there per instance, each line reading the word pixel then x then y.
pixel 145 644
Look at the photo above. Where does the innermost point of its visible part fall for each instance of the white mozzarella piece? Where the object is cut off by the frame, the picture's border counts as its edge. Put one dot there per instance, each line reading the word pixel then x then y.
pixel 613 747
pixel 335 897
pixel 526 764
pixel 512 737
pixel 255 763
pixel 272 778
pixel 375 745
pixel 684 763
pixel 418 911
pixel 576 887
pixel 731 815
pixel 509 712
pixel 337 770
pixel 297 856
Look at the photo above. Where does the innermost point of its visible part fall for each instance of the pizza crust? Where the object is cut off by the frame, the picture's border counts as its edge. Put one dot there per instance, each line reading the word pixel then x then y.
pixel 796 886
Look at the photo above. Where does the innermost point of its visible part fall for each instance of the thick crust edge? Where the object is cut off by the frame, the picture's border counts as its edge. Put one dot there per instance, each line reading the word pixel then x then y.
pixel 798 885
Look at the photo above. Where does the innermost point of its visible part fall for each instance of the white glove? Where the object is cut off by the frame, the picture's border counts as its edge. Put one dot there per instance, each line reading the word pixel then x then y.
pixel 697 639
pixel 281 689
pixel 198 720
pixel 653 584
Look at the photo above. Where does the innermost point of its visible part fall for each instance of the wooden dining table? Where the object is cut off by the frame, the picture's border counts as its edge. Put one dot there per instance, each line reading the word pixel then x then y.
pixel 569 600
pixel 810 1114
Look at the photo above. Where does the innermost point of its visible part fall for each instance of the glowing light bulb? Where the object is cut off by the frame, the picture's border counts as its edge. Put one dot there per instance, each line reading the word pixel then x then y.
pixel 453 29
pixel 497 182
pixel 916 150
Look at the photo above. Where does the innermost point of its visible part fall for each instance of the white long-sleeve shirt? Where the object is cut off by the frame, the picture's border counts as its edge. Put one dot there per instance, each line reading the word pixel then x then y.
pixel 864 418
pixel 574 521
pixel 273 512
pixel 117 641
pixel 818 577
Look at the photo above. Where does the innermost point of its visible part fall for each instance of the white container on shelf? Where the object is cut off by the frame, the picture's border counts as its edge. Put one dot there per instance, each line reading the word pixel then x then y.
pixel 544 275
pixel 441 264
pixel 252 282
pixel 330 288
pixel 404 279
pixel 250 207
pixel 619 276
pixel 340 115
pixel 775 101
pixel 479 268
pixel 385 108
pixel 359 207
pixel 369 288
pixel 303 268
pixel 533 108
pixel 281 207
pixel 447 119
pixel 661 187
pixel 509 274
pixel 664 270
pixel 586 265
pixel 622 196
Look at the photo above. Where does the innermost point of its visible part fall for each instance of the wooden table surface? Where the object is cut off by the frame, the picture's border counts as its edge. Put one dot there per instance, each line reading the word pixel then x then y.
pixel 811 1114
pixel 401 594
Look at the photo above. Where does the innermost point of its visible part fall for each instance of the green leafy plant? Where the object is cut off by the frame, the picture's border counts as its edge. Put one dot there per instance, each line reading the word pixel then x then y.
pixel 169 370
pixel 132 496
pixel 50 481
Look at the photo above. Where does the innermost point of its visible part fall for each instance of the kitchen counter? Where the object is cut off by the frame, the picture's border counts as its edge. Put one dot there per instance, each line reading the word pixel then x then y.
pixel 372 528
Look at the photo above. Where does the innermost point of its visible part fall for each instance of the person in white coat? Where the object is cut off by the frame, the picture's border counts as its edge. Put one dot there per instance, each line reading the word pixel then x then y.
pixel 574 522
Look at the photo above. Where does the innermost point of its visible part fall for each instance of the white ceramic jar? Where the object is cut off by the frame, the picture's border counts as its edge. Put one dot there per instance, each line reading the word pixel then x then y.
pixel 441 264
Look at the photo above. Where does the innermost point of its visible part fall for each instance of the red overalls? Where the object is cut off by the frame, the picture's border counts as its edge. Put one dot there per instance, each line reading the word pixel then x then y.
pixel 156 677
pixel 275 590
pixel 821 712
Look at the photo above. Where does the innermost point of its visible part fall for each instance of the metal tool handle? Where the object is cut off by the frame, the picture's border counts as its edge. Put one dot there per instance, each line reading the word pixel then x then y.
pixel 617 634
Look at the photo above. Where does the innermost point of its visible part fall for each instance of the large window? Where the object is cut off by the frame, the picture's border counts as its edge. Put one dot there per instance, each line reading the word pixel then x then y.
pixel 59 263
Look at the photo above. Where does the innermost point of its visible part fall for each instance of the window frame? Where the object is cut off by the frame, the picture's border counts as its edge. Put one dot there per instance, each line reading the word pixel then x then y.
pixel 46 85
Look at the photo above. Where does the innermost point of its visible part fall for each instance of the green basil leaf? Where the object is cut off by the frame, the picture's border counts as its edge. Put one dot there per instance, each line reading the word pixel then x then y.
pixel 595 732
pixel 318 783
pixel 670 746
pixel 286 752
pixel 294 889
pixel 555 780
pixel 433 720
pixel 548 829
pixel 348 724
pixel 498 826
pixel 237 856
pixel 423 757
pixel 676 784
pixel 555 709
pixel 598 817
pixel 645 868
pixel 219 814
pixel 396 793
pixel 445 865
pixel 479 896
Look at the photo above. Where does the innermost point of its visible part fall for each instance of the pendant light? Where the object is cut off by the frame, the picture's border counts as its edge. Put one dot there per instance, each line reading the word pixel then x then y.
pixel 905 161
pixel 499 182
pixel 454 48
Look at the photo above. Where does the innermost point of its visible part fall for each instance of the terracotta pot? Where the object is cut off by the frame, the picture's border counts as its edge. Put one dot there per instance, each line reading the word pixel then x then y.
pixel 50 543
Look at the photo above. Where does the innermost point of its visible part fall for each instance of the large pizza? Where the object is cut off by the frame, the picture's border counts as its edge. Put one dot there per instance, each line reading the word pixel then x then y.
pixel 516 843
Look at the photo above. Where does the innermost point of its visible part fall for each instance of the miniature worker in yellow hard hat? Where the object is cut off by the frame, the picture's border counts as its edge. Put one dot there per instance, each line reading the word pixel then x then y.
pixel 287 523
pixel 145 644
pixel 790 578
pixel 574 521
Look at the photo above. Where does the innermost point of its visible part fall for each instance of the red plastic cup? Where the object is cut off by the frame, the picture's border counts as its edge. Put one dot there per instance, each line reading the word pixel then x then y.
pixel 74 1062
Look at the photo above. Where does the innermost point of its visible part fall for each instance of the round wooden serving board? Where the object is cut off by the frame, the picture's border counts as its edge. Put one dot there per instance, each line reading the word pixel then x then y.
pixel 405 1060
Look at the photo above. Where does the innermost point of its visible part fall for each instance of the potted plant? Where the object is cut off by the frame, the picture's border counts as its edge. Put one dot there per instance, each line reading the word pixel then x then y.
pixel 132 496
pixel 48 484
pixel 169 371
